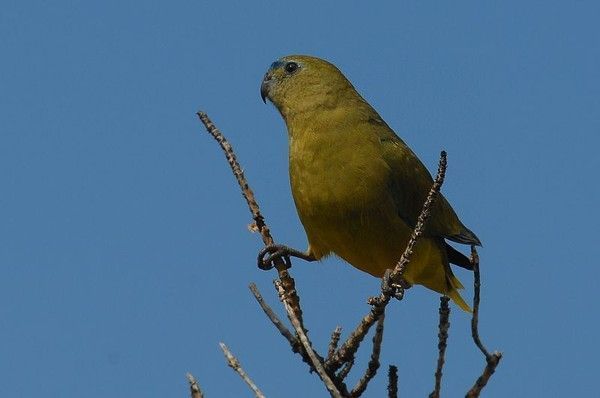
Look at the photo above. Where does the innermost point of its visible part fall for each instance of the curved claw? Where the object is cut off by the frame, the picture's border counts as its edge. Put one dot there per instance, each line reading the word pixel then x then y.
pixel 269 254
pixel 395 290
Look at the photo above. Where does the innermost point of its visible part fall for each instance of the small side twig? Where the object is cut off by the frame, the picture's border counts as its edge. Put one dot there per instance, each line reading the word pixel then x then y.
pixel 348 349
pixel 285 332
pixel 195 390
pixel 345 370
pixel 493 359
pixel 393 382
pixel 444 325
pixel 234 364
pixel 317 362
pixel 333 343
pixel 373 366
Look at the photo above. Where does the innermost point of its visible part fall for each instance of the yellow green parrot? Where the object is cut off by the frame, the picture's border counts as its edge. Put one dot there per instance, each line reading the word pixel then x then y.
pixel 357 186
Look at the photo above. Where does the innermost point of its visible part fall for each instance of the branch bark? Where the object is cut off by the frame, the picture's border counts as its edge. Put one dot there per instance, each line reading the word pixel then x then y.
pixel 443 327
pixel 393 382
pixel 317 362
pixel 234 364
pixel 195 390
pixel 373 366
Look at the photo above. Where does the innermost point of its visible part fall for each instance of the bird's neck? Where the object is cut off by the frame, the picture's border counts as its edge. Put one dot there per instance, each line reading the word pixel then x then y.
pixel 329 116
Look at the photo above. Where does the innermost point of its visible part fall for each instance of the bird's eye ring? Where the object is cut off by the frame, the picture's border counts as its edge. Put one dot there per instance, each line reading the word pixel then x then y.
pixel 291 67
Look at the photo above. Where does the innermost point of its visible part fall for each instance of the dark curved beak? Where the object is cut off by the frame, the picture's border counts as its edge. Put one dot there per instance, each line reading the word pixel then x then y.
pixel 264 88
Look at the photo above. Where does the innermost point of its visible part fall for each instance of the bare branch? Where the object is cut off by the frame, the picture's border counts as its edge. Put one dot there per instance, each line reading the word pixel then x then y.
pixel 285 332
pixel 316 361
pixel 492 360
pixel 345 370
pixel 347 351
pixel 239 176
pixel 373 366
pixel 444 325
pixel 234 364
pixel 393 382
pixel 333 343
pixel 490 367
pixel 195 390
pixel 476 300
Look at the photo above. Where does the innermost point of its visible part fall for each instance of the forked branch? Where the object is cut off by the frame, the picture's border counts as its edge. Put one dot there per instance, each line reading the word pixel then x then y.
pixel 373 365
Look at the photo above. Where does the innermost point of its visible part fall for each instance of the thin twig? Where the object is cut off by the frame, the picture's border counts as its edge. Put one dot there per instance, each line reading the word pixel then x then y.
pixel 239 176
pixel 444 325
pixel 285 332
pixel 345 370
pixel 195 390
pixel 234 364
pixel 316 361
pixel 488 371
pixel 393 382
pixel 287 281
pixel 348 349
pixel 373 366
pixel 333 343
pixel 476 300
pixel 493 359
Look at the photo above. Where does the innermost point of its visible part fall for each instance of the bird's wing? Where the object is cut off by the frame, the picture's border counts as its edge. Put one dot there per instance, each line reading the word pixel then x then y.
pixel 410 184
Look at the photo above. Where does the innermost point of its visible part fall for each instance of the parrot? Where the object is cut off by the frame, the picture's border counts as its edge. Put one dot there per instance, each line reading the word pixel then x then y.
pixel 357 187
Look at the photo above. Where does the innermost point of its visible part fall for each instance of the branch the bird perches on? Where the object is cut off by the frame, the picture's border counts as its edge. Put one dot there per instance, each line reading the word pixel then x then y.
pixel 335 366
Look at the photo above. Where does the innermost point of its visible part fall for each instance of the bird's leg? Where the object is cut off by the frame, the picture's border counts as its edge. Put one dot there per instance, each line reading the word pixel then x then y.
pixel 272 252
pixel 391 288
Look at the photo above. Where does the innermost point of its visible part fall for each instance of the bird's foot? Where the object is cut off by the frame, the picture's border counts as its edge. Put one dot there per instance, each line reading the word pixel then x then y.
pixel 271 253
pixel 391 288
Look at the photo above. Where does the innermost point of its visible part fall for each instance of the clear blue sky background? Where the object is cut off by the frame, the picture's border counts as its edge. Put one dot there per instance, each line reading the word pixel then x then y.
pixel 124 250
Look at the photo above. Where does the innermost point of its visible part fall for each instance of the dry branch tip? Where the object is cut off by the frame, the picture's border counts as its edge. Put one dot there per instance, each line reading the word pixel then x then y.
pixel 234 364
pixel 195 390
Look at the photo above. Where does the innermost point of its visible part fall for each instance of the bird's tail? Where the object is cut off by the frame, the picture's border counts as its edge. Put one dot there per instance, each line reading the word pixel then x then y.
pixel 454 285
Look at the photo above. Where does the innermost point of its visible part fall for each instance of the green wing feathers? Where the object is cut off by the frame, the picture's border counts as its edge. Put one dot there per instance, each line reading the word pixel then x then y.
pixel 411 183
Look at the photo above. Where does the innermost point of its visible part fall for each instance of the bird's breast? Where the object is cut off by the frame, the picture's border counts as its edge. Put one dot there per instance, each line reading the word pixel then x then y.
pixel 337 176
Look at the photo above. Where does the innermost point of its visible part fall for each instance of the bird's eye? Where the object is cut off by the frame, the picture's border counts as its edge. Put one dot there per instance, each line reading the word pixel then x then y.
pixel 291 67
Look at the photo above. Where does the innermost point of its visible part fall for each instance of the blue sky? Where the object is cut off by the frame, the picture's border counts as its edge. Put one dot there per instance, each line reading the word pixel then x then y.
pixel 125 255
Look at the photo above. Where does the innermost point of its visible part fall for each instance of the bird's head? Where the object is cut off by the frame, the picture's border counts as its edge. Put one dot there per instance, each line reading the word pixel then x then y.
pixel 297 83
